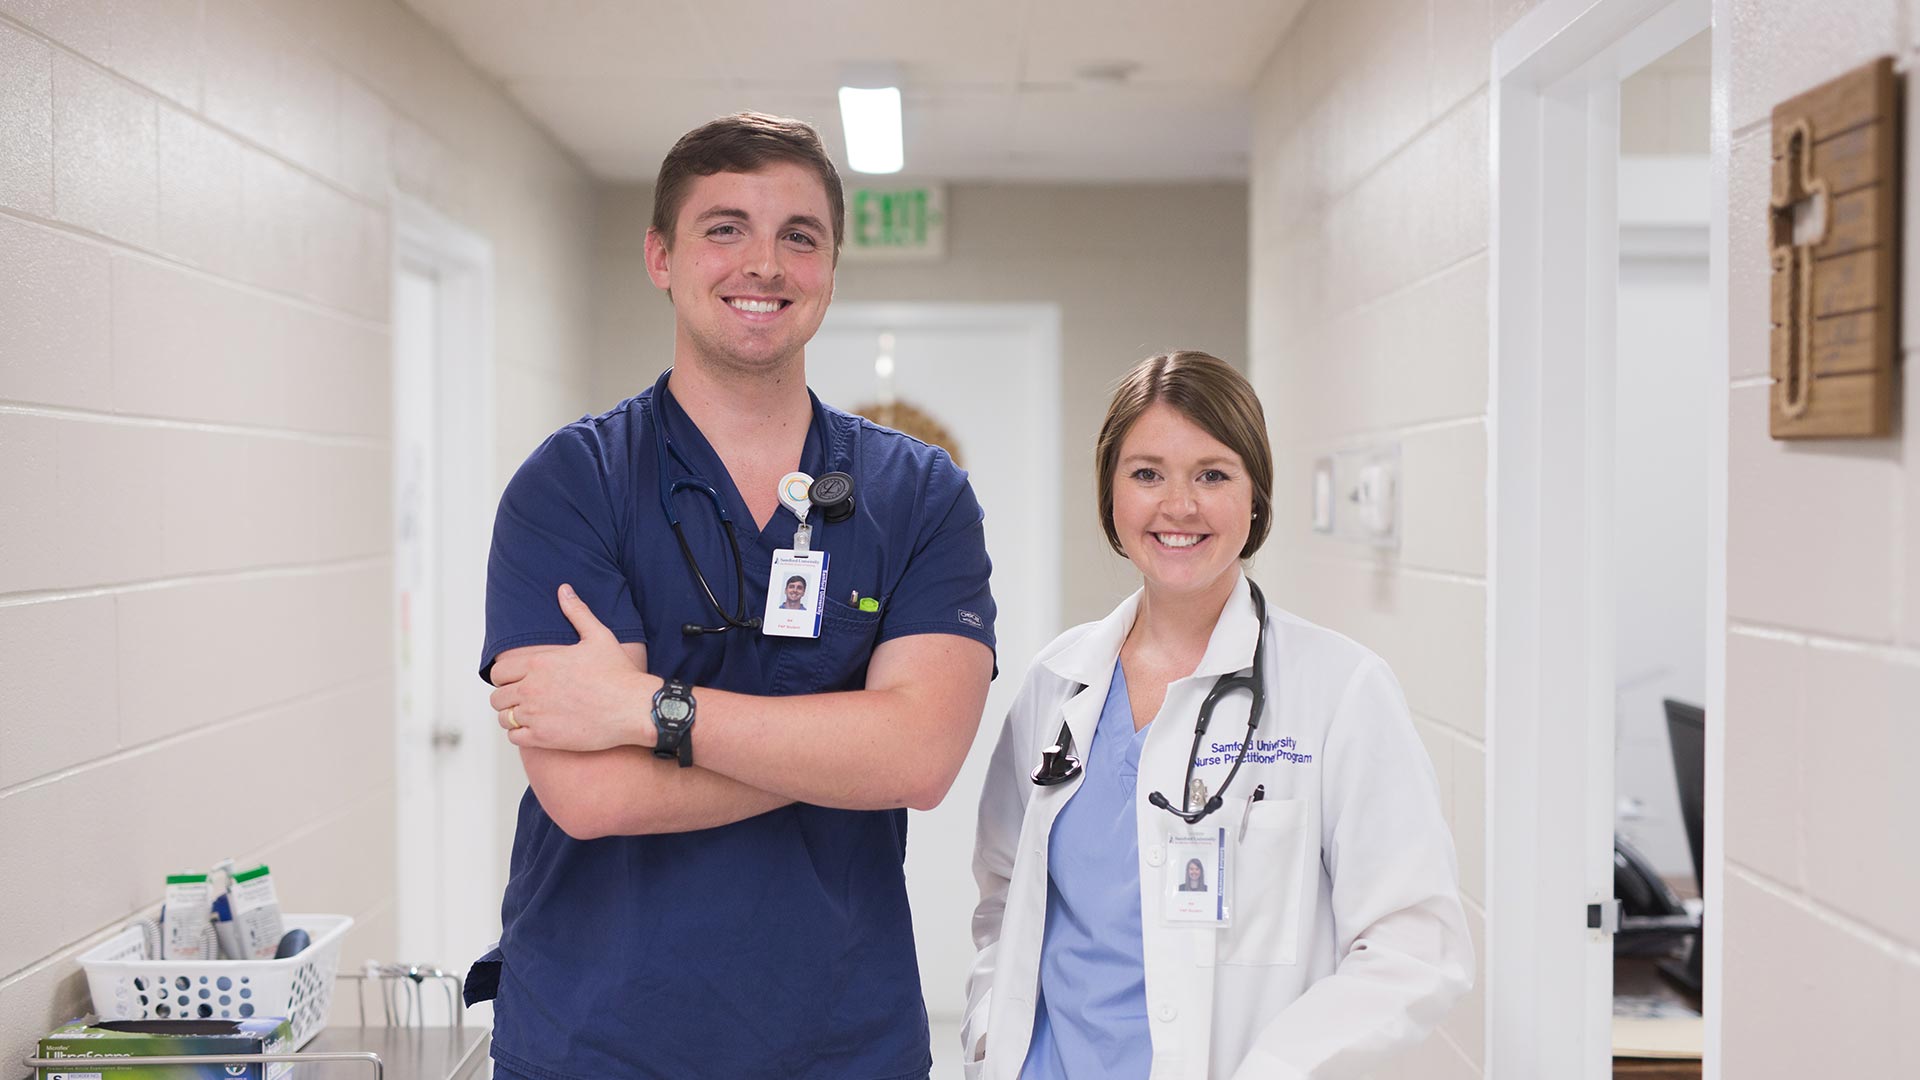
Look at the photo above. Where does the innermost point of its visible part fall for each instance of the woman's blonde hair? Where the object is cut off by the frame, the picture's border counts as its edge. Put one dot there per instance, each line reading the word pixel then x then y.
pixel 1218 400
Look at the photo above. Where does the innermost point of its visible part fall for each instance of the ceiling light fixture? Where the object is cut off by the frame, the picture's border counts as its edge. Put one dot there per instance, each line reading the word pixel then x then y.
pixel 870 116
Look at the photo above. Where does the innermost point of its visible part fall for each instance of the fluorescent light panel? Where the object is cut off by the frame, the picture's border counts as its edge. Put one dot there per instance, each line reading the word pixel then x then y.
pixel 872 122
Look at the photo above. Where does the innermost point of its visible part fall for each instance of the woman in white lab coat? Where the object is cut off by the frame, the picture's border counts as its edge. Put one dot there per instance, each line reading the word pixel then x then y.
pixel 1329 934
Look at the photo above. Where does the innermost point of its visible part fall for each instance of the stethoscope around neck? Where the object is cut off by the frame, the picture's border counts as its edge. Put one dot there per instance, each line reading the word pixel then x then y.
pixel 1059 765
pixel 835 504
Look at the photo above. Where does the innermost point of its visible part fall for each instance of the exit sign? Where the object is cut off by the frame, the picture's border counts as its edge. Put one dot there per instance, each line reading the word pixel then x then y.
pixel 897 223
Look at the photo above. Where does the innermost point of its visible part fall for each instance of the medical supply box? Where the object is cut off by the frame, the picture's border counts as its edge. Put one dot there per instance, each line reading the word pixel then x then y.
pixel 112 1049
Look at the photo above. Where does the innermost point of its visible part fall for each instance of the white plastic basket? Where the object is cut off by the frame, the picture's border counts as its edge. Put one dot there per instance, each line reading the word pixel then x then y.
pixel 125 987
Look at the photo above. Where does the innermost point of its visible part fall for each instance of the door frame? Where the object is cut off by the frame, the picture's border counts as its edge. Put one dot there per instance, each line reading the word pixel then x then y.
pixel 1554 258
pixel 460 262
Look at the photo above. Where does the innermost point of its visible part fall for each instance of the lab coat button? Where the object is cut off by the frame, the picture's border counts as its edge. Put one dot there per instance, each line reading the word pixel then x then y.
pixel 1166 1012
pixel 1156 855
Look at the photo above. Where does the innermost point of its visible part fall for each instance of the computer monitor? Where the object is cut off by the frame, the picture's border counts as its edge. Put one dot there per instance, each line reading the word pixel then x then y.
pixel 1687 733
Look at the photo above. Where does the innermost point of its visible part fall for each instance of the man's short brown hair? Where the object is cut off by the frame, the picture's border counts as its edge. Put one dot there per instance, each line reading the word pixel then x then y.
pixel 1218 400
pixel 744 142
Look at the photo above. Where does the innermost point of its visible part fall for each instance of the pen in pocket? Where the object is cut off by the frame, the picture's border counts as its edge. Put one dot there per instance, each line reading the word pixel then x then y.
pixel 1259 793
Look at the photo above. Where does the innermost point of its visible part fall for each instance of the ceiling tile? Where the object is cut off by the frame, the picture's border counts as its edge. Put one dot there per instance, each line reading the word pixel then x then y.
pixel 1201 41
pixel 587 39
pixel 1134 133
pixel 641 118
pixel 933 42
pixel 990 86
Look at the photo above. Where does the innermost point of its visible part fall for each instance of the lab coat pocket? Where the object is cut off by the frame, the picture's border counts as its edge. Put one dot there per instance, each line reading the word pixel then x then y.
pixel 1270 872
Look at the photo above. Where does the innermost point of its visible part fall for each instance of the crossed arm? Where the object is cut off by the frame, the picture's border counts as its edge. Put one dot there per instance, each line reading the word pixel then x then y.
pixel 586 731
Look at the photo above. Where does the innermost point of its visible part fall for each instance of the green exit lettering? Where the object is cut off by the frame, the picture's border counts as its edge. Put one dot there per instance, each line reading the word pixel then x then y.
pixel 884 219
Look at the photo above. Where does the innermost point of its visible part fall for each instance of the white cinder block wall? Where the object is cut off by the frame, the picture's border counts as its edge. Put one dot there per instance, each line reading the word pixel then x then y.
pixel 195 201
pixel 1823 647
pixel 1368 316
pixel 1666 107
pixel 1368 320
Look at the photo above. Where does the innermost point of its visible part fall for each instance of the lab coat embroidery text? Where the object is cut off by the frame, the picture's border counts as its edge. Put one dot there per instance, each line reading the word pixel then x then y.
pixel 1262 752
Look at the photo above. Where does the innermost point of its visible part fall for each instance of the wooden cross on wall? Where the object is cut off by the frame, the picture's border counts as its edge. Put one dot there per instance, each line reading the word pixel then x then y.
pixel 1834 241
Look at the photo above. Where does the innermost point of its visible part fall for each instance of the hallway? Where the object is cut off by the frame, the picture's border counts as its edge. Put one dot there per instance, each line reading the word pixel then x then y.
pixel 204 207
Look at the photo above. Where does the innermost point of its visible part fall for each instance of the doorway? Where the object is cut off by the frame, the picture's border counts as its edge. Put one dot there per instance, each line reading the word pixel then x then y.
pixel 1559 557
pixel 989 375
pixel 1659 550
pixel 449 878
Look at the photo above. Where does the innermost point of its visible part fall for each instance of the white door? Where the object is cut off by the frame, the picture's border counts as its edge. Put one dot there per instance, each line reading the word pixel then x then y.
pixel 449 862
pixel 416 574
pixel 990 375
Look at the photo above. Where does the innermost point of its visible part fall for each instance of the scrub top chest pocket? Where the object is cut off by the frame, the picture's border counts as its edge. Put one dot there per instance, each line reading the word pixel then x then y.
pixel 1270 865
pixel 836 660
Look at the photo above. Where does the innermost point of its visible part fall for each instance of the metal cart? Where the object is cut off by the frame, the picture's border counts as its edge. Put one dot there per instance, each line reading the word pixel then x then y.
pixel 404 1049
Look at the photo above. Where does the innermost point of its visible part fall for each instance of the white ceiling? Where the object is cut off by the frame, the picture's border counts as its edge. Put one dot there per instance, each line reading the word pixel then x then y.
pixel 994 89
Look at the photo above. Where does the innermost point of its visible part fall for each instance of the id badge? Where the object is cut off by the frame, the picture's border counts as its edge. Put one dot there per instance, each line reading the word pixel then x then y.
pixel 794 589
pixel 1197 877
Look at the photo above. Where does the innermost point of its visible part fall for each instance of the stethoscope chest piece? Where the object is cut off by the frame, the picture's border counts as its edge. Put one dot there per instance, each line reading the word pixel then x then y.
pixel 1057 763
pixel 832 495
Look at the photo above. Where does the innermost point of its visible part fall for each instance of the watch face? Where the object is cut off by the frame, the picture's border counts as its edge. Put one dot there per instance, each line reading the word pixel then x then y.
pixel 673 710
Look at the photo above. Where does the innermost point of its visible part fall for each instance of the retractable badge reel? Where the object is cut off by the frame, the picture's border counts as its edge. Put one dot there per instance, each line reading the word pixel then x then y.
pixel 799 575
pixel 796 494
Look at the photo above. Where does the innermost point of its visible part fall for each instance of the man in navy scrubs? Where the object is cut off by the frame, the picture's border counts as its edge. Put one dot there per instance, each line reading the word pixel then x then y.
pixel 707 873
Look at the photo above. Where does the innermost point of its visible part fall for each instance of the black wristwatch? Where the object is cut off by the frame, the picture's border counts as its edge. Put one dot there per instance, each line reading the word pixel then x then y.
pixel 673 721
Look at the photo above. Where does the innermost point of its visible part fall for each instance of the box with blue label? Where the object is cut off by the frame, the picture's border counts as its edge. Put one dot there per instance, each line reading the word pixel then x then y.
pixel 112 1049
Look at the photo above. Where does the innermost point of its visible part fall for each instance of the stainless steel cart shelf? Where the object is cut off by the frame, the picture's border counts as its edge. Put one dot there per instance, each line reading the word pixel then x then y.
pixel 404 1053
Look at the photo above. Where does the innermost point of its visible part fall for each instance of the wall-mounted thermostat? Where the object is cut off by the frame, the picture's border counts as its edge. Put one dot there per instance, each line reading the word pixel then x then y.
pixel 1356 495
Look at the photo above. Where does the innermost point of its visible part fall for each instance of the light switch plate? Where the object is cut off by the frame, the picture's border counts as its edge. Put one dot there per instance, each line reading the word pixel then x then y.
pixel 1323 495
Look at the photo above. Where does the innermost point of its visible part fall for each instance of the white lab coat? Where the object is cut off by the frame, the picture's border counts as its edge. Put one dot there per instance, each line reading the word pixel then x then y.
pixel 1347 942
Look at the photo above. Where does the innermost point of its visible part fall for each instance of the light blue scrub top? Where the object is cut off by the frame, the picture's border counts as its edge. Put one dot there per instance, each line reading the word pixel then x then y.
pixel 1091 1020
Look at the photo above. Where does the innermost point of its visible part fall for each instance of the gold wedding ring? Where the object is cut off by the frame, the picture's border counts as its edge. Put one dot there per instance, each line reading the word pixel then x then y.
pixel 512 723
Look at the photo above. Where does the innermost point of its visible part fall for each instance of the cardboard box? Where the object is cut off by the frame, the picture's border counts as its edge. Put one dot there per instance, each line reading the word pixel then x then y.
pixel 111 1049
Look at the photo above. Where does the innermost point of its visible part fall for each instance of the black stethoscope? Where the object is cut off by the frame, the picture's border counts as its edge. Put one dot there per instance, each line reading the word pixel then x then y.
pixel 834 497
pixel 1058 764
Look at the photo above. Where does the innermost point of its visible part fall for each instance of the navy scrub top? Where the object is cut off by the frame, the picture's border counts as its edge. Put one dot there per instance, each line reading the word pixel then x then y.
pixel 778 946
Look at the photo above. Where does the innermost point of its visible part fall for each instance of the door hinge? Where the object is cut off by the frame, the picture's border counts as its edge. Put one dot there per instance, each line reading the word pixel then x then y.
pixel 1604 916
